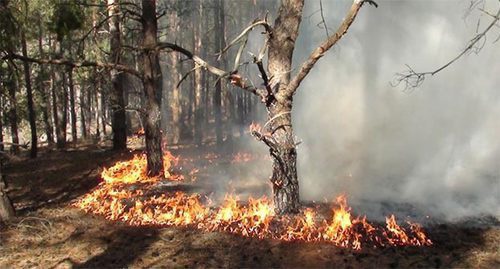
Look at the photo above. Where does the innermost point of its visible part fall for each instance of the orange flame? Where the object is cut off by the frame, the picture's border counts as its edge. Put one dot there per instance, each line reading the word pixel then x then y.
pixel 119 198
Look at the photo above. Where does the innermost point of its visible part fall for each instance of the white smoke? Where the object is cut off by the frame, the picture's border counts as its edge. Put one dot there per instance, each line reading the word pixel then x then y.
pixel 437 146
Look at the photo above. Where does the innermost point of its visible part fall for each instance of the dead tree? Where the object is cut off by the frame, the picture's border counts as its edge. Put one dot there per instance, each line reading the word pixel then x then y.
pixel 278 89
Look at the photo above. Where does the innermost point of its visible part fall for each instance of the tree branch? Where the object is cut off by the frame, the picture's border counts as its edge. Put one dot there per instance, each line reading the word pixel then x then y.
pixel 75 64
pixel 414 79
pixel 325 46
pixel 234 78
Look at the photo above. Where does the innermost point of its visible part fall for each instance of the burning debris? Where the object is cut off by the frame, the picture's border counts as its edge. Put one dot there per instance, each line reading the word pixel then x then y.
pixel 126 195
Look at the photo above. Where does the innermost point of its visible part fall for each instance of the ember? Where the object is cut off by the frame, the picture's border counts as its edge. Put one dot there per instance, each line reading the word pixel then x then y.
pixel 116 199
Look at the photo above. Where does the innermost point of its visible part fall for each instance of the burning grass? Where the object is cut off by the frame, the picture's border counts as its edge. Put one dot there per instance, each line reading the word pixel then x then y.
pixel 125 195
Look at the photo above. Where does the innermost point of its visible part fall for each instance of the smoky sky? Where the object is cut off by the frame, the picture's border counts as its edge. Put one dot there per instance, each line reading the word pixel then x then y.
pixel 437 146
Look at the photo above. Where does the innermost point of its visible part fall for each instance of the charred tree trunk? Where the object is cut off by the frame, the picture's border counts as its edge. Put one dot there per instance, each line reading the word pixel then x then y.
pixel 1 120
pixel 152 88
pixel 60 102
pixel 29 96
pixel 119 118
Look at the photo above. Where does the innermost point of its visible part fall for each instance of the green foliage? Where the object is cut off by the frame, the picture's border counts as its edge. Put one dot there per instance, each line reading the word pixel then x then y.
pixel 8 28
pixel 67 16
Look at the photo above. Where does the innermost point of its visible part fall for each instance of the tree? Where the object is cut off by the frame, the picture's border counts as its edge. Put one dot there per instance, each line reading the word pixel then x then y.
pixel 119 124
pixel 278 90
pixel 152 87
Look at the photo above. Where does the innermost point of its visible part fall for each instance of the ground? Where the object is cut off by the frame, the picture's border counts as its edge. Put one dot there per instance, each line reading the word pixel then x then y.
pixel 49 233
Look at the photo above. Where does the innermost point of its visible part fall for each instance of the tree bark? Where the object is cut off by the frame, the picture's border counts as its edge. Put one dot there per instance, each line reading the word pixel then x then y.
pixel 198 110
pixel 119 118
pixel 29 96
pixel 12 85
pixel 219 45
pixel 6 209
pixel 152 88
pixel 71 86
pixel 284 154
pixel 174 71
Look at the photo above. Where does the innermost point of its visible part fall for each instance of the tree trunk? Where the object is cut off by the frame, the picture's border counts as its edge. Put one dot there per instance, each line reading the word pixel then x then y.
pixel 284 154
pixel 83 116
pixel 198 110
pixel 6 209
pixel 12 85
pixel 219 45
pixel 175 97
pixel 1 120
pixel 74 133
pixel 29 96
pixel 152 89
pixel 118 118
pixel 61 103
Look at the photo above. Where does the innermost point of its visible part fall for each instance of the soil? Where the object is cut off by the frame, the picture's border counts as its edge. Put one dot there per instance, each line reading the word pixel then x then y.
pixel 49 233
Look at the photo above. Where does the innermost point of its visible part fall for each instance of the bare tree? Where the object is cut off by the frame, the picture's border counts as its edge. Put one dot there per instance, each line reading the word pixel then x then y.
pixel 278 89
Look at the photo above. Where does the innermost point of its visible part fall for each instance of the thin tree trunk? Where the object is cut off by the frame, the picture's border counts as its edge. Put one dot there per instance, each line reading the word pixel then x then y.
pixel 119 118
pixel 152 88
pixel 1 121
pixel 103 113
pixel 219 45
pixel 29 96
pixel 12 85
pixel 198 112
pixel 175 97
pixel 60 99
pixel 74 133
pixel 83 117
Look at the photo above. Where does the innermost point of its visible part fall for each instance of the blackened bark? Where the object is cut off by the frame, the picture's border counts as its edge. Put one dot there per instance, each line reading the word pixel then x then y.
pixel 118 118
pixel 29 96
pixel 152 88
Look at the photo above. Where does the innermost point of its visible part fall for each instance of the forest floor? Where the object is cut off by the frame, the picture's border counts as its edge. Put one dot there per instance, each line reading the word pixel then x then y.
pixel 49 233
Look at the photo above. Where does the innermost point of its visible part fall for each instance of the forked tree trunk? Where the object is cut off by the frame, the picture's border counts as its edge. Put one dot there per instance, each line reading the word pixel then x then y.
pixel 152 89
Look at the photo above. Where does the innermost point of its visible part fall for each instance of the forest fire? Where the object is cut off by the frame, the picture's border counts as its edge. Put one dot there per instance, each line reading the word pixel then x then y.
pixel 127 194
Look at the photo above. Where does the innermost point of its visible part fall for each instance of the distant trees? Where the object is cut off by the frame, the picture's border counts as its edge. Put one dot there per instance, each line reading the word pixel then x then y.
pixel 93 47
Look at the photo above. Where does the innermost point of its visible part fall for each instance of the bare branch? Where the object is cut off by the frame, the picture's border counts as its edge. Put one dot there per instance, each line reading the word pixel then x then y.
pixel 245 32
pixel 234 78
pixel 325 46
pixel 74 64
pixel 323 18
pixel 414 79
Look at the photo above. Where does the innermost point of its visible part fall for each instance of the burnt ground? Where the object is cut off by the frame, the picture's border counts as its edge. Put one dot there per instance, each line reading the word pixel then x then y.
pixel 48 233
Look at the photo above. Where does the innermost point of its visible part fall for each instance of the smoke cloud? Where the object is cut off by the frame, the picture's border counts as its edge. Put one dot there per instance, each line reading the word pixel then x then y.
pixel 438 146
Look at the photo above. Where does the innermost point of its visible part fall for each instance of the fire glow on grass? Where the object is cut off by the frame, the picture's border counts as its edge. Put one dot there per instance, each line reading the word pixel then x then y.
pixel 121 196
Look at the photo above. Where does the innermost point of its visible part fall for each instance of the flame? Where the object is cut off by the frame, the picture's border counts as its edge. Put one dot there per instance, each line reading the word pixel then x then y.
pixel 127 194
